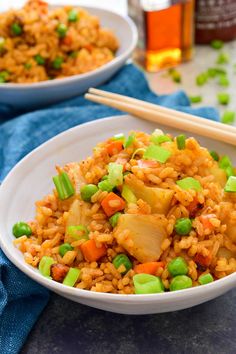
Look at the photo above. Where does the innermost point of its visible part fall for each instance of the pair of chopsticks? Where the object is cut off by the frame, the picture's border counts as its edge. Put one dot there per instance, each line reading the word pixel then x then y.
pixel 166 116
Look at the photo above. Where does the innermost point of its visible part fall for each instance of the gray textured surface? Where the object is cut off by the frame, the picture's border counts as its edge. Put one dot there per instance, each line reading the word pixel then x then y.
pixel 204 58
pixel 69 328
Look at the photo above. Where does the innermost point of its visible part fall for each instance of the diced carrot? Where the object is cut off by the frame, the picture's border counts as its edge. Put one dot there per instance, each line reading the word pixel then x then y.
pixel 205 220
pixel 89 47
pixel 147 164
pixel 114 147
pixel 112 203
pixel 149 267
pixel 91 252
pixel 67 40
pixel 204 261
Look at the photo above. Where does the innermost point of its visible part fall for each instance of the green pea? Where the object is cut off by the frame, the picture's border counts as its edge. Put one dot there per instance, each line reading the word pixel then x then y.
pixel 180 282
pixel 88 191
pixel 4 76
pixel 178 266
pixel 21 229
pixel 122 259
pixel 147 284
pixel 183 226
pixel 73 54
pixel 16 29
pixel 73 16
pixel 57 63
pixel 113 220
pixel 62 30
pixel 205 279
pixel 64 248
pixel 39 59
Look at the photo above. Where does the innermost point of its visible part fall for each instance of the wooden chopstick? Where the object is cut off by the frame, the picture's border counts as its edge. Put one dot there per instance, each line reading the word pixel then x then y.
pixel 162 109
pixel 166 117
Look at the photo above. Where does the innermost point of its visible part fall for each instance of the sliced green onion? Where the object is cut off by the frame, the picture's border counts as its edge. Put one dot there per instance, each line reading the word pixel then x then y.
pixel 201 79
pixel 129 141
pixel 223 81
pixel 225 161
pixel 214 155
pixel 213 72
pixel 105 186
pixel 195 99
pixel 225 164
pixel 223 58
pixel 73 16
pixel 217 44
pixel 115 174
pixel 137 152
pixel 223 98
pixel 74 230
pixel 71 277
pixel 180 282
pixel 122 259
pixel 45 266
pixel 159 139
pixel 113 220
pixel 189 183
pixel 147 284
pixel 64 248
pixel 181 141
pixel 154 152
pixel 119 136
pixel 228 117
pixel 128 195
pixel 230 186
pixel 205 279
pixel 64 186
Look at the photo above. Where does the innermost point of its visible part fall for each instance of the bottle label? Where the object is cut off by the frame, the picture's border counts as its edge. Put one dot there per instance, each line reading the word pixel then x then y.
pixel 215 14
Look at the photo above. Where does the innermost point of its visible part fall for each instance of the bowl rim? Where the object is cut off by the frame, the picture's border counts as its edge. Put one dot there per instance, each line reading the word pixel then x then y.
pixel 73 78
pixel 227 282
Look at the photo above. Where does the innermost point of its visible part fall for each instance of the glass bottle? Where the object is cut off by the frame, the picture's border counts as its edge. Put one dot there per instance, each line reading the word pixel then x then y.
pixel 166 32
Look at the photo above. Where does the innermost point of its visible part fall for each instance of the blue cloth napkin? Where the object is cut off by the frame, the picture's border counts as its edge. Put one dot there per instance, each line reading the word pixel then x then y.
pixel 21 299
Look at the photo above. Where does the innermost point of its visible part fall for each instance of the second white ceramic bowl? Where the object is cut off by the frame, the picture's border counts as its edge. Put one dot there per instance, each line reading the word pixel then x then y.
pixel 36 95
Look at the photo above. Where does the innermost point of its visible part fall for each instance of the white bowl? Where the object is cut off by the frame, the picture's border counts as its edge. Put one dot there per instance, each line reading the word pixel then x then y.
pixel 35 95
pixel 31 179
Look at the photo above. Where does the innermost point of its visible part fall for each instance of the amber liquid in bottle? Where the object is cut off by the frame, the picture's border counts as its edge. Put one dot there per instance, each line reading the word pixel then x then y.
pixel 168 34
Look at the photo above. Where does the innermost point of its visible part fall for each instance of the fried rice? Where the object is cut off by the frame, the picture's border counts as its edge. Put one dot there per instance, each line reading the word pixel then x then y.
pixel 139 179
pixel 38 43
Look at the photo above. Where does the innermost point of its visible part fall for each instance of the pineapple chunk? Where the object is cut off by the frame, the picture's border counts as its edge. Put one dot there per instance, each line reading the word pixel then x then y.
pixel 159 199
pixel 77 215
pixel 219 175
pixel 146 233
